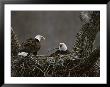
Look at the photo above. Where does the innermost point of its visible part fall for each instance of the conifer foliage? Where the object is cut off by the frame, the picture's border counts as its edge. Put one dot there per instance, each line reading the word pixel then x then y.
pixel 15 46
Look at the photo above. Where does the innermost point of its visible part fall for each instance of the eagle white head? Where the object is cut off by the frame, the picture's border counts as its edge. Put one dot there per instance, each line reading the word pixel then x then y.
pixel 39 37
pixel 62 47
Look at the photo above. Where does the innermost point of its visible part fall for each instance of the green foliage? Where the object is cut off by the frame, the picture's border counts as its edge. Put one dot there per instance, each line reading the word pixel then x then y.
pixel 83 61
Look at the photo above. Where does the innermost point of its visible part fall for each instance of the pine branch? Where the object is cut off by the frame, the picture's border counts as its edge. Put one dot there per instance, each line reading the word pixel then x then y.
pixel 86 64
pixel 15 45
pixel 86 37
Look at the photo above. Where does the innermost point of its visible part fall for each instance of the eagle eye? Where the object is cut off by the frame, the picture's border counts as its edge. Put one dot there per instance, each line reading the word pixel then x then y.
pixel 60 45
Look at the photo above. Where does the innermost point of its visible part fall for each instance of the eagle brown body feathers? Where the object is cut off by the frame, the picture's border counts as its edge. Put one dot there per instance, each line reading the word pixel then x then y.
pixel 31 46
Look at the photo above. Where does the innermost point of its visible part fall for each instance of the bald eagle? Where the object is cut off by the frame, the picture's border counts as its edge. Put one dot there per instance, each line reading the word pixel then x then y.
pixel 31 45
pixel 62 49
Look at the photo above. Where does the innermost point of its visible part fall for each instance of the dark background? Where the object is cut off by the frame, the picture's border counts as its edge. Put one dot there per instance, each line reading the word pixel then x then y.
pixel 55 26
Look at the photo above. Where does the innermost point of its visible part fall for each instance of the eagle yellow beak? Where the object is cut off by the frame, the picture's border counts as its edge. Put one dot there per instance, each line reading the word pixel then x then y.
pixel 43 38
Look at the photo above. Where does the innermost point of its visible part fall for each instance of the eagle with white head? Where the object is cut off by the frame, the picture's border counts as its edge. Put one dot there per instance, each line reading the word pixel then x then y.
pixel 31 45
pixel 62 50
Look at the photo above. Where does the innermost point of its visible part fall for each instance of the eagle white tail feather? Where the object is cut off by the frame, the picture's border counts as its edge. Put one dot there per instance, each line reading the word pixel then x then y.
pixel 24 54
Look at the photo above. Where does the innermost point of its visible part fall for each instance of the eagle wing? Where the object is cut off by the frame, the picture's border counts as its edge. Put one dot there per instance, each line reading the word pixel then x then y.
pixel 60 52
pixel 55 53
pixel 31 45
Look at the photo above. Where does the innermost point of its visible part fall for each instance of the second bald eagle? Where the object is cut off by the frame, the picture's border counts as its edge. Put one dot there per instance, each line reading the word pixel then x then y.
pixel 62 50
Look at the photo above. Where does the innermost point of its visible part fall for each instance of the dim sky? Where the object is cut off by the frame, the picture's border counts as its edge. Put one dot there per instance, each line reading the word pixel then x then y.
pixel 55 26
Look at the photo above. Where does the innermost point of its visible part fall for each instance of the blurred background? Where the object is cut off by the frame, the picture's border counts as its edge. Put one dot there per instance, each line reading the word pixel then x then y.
pixel 55 26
